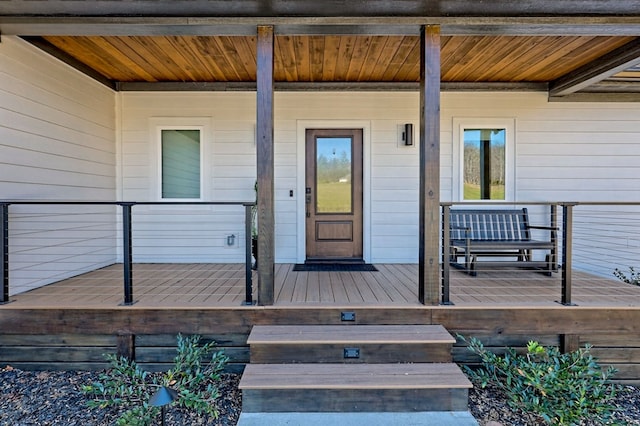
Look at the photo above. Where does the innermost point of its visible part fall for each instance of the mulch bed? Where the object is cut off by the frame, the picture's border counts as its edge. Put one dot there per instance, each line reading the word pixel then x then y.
pixel 55 398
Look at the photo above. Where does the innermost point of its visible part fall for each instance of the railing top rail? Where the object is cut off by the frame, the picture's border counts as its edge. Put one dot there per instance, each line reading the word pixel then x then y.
pixel 131 203
pixel 540 203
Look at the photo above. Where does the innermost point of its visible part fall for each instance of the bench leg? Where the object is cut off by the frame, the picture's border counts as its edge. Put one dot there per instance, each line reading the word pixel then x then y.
pixel 549 260
pixel 472 267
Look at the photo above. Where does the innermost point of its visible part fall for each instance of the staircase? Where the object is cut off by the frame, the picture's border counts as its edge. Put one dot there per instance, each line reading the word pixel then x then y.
pixel 348 369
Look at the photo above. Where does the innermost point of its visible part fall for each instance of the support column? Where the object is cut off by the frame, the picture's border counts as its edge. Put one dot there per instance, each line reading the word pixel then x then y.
pixel 265 166
pixel 428 255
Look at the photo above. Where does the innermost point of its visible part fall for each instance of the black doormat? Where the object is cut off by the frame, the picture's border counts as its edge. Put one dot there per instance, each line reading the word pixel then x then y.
pixel 334 267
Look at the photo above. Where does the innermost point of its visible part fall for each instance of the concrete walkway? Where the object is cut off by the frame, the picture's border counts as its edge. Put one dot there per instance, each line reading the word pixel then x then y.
pixel 441 418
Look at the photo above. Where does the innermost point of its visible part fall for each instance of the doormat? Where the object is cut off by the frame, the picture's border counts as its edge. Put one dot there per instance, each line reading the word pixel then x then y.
pixel 334 267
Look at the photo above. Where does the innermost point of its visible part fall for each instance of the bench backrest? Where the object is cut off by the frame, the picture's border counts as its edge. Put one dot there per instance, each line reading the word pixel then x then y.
pixel 492 225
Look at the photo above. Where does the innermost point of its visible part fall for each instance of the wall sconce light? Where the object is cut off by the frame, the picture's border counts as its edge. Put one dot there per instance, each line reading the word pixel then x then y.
pixel 231 240
pixel 407 135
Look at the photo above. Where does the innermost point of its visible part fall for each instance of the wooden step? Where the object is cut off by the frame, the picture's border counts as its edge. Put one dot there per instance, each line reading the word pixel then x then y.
pixel 350 344
pixel 354 388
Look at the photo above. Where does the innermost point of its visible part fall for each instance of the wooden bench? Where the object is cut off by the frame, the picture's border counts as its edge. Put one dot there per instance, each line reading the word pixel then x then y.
pixel 498 234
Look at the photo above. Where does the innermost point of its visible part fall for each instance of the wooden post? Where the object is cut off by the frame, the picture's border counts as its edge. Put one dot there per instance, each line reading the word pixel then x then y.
pixel 265 166
pixel 126 347
pixel 569 343
pixel 428 279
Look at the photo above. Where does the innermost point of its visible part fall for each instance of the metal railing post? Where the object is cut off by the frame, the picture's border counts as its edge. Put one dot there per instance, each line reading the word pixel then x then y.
pixel 554 237
pixel 247 242
pixel 127 253
pixel 567 241
pixel 4 252
pixel 446 243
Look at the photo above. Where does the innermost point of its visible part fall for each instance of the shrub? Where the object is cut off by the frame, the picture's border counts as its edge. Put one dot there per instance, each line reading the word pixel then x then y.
pixel 126 385
pixel 633 278
pixel 561 388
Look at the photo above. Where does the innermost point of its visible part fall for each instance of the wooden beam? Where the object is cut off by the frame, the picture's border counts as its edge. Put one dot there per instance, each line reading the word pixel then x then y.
pixel 337 8
pixel 596 71
pixel 322 86
pixel 428 257
pixel 78 25
pixel 52 50
pixel 265 166
pixel 597 97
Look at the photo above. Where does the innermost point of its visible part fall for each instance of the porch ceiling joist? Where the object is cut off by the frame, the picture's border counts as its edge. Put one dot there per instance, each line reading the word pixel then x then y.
pixel 387 25
pixel 612 63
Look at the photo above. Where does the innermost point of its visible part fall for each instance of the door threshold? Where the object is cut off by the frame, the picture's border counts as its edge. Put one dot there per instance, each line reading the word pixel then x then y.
pixel 337 261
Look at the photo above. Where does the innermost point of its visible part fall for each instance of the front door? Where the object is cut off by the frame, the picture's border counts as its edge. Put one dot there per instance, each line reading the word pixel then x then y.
pixel 333 194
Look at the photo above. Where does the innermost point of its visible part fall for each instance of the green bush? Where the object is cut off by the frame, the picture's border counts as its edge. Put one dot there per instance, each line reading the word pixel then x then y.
pixel 561 388
pixel 633 278
pixel 126 385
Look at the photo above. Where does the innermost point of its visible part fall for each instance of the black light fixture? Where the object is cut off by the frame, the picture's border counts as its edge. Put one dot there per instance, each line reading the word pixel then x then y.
pixel 407 135
pixel 164 396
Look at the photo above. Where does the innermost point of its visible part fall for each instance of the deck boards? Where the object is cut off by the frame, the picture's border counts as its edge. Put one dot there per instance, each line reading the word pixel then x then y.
pixel 393 285
pixel 339 334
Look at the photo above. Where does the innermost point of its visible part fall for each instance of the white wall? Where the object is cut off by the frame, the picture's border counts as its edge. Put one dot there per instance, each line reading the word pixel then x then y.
pixel 57 142
pixel 564 151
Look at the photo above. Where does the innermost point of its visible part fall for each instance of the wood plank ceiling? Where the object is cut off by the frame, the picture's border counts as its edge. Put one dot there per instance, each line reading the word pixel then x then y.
pixel 335 58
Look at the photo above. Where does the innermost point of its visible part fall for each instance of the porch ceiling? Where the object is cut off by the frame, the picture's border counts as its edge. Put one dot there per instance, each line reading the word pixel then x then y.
pixel 334 58
pixel 364 61
pixel 584 51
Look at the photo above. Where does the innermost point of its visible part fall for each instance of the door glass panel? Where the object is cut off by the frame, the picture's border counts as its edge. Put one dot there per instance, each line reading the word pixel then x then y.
pixel 333 175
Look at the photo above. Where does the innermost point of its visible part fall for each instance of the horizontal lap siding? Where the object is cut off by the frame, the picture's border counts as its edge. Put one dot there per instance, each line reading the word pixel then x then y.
pixel 57 142
pixel 190 233
pixel 562 152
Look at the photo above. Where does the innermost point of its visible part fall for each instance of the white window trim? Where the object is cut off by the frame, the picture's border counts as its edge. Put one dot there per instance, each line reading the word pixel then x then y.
pixel 156 126
pixel 462 123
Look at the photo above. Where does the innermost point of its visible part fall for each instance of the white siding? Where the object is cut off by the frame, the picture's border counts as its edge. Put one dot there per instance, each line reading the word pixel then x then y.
pixel 57 142
pixel 188 233
pixel 564 151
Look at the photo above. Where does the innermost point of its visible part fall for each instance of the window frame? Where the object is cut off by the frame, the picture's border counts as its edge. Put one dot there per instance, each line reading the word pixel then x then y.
pixel 459 127
pixel 203 125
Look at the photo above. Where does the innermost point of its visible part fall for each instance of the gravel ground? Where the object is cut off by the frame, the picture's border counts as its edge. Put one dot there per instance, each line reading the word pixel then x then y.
pixel 55 398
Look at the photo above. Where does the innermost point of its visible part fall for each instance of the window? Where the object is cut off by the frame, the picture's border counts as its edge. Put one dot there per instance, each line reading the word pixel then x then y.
pixel 486 159
pixel 180 163
pixel 484 164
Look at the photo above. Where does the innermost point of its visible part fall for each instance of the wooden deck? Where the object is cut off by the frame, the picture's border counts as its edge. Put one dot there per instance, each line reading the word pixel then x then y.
pixel 72 323
pixel 393 285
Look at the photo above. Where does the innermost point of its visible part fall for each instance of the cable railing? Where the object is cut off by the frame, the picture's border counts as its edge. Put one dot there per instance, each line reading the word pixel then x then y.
pixel 126 252
pixel 199 254
pixel 579 248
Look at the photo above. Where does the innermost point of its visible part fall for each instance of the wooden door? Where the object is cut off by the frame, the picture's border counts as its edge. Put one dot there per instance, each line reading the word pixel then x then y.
pixel 333 194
